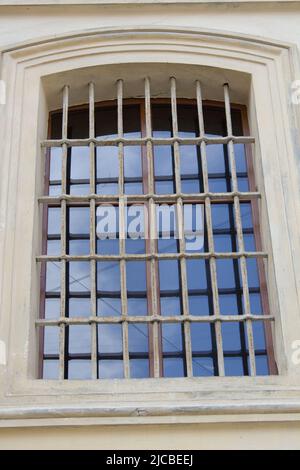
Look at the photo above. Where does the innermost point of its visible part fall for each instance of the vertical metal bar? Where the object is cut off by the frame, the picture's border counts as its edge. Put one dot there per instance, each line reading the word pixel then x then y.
pixel 239 230
pixel 180 228
pixel 93 265
pixel 157 359
pixel 153 291
pixel 63 297
pixel 212 260
pixel 122 232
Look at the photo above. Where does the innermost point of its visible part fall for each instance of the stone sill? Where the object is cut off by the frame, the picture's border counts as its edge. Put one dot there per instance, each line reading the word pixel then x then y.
pixel 136 2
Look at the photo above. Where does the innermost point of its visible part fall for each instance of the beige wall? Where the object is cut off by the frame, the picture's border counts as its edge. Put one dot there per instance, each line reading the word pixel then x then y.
pixel 209 436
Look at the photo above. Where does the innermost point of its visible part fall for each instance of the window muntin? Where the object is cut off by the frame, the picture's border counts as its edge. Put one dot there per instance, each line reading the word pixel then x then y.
pixel 94 347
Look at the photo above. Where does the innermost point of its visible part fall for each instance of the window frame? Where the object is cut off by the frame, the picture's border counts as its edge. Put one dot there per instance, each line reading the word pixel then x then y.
pixel 140 103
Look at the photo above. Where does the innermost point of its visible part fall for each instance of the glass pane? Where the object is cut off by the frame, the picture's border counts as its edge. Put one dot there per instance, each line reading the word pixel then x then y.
pixel 233 366
pixel 262 367
pixel 79 339
pixel 108 307
pixel 79 276
pixel 51 369
pixel 79 369
pixel 163 160
pixel 137 306
pixel 54 222
pixel 215 159
pixel 196 274
pixel 198 305
pixel 228 304
pixel 80 163
pixel 203 367
pixel 136 276
pixel 79 247
pixel 107 162
pixel 108 247
pixel 53 247
pixel 51 340
pixel 170 306
pixel 111 369
pixel 110 339
pixel 201 337
pixel 79 220
pixel 80 189
pixel 79 307
pixel 138 337
pixel 225 273
pixel 172 337
pixel 169 275
pixel 132 161
pixel 173 367
pixel 139 368
pixel 53 276
pixel 52 308
pixel 55 163
pixel 231 336
pixel 189 160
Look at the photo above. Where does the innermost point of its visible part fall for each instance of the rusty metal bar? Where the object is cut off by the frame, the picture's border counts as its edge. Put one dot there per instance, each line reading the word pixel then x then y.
pixel 93 262
pixel 63 296
pixel 162 256
pixel 210 237
pixel 180 223
pixel 153 319
pixel 161 198
pixel 122 231
pixel 143 140
pixel 239 229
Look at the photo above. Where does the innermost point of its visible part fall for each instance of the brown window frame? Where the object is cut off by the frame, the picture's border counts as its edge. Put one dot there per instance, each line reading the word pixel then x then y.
pixel 252 201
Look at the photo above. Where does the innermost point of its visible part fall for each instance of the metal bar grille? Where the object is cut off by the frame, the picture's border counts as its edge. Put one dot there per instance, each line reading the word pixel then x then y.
pixel 154 319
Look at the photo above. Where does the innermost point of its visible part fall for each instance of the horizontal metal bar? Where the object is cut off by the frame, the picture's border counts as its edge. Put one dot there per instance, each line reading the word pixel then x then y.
pixel 162 198
pixel 144 140
pixel 152 318
pixel 148 256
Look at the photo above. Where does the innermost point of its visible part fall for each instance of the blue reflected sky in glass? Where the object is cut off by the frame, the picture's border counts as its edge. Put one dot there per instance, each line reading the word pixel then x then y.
pixel 139 368
pixel 79 339
pixel 79 276
pixel 168 275
pixel 137 306
pixel 170 306
pixel 110 339
pixel 111 369
pixel 79 307
pixel 52 308
pixel 51 369
pixel 108 307
pixel 136 276
pixel 79 369
pixel 54 223
pixel 79 220
pixel 53 276
pixel 108 276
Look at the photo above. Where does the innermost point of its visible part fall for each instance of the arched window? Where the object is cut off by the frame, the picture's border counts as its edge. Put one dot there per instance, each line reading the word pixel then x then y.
pixel 152 263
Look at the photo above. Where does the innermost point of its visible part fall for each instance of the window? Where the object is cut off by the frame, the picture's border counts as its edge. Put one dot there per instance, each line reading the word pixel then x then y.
pixel 186 299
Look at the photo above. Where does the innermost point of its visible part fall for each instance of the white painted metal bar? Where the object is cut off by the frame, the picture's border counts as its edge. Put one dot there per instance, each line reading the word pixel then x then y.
pixel 240 238
pixel 180 222
pixel 153 319
pixel 143 140
pixel 122 229
pixel 93 262
pixel 63 287
pixel 210 237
